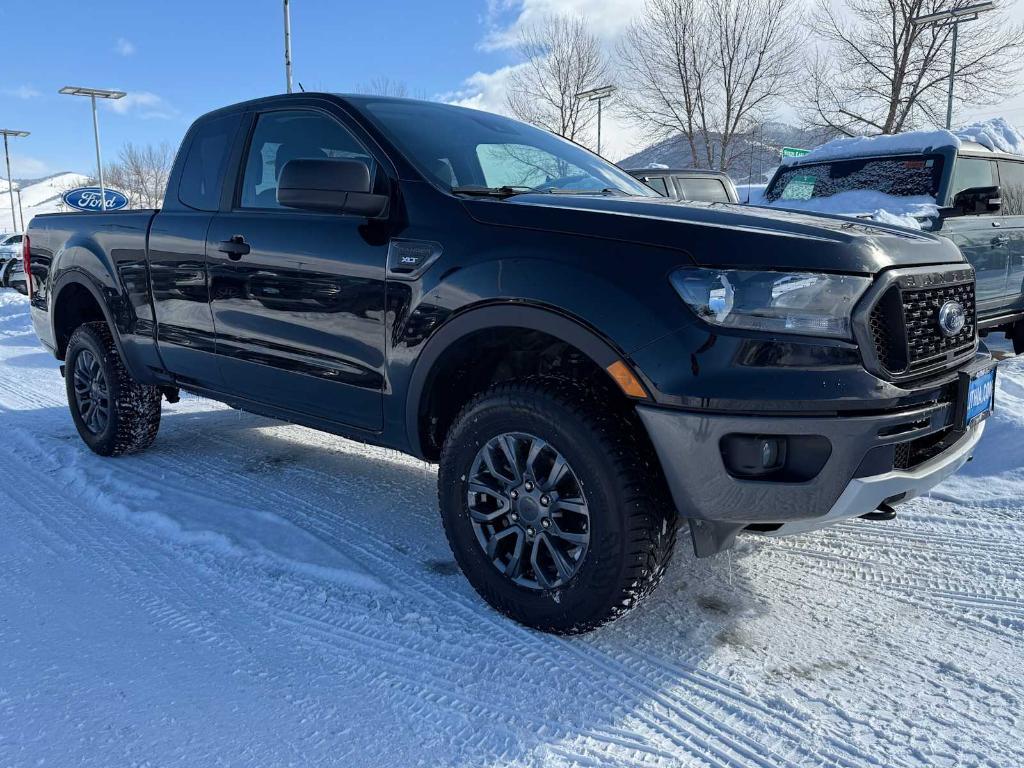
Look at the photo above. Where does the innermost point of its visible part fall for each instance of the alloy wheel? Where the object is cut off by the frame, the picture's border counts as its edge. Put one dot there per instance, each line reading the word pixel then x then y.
pixel 528 511
pixel 92 394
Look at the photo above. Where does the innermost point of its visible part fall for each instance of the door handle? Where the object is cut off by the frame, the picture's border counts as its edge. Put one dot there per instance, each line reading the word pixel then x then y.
pixel 235 248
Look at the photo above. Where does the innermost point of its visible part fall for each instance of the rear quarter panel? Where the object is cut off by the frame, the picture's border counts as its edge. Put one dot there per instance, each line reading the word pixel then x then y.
pixel 106 254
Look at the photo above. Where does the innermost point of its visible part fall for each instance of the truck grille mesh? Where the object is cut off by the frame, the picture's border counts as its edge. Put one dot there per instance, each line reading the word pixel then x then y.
pixel 906 334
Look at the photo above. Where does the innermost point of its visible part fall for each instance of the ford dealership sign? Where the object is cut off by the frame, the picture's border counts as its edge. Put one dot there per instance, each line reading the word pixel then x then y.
pixel 88 199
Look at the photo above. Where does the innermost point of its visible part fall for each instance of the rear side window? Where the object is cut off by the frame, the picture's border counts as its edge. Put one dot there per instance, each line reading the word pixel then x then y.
pixel 1011 187
pixel 658 184
pixel 292 135
pixel 711 190
pixel 202 176
pixel 972 172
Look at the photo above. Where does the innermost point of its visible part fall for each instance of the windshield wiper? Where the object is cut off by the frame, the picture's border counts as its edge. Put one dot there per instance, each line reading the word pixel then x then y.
pixel 481 191
pixel 607 191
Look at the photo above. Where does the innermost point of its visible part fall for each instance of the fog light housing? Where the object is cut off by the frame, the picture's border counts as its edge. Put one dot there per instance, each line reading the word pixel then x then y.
pixel 753 455
pixel 775 458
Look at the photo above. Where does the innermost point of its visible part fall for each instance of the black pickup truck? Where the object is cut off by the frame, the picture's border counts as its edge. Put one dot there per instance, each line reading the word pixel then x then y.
pixel 586 361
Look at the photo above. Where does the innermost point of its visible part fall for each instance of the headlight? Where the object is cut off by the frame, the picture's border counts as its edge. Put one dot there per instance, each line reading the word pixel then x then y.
pixel 778 302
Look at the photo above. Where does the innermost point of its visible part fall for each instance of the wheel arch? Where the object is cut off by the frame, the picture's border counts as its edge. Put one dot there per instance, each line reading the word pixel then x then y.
pixel 67 311
pixel 438 349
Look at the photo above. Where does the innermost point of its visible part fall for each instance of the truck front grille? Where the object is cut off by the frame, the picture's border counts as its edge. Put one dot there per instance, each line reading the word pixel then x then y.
pixel 908 340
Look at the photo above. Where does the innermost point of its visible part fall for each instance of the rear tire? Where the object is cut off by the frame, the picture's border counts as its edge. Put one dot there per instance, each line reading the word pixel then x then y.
pixel 113 413
pixel 612 473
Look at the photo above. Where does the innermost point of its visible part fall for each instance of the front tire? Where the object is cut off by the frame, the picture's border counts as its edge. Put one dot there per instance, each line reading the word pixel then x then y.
pixel 562 554
pixel 113 413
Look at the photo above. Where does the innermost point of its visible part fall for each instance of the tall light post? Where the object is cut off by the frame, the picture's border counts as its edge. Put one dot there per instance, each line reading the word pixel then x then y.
pixel 287 46
pixel 95 93
pixel 598 95
pixel 954 17
pixel 10 182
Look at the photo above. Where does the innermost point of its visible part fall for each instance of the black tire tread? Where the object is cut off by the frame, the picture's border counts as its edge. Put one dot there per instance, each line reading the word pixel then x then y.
pixel 650 519
pixel 137 406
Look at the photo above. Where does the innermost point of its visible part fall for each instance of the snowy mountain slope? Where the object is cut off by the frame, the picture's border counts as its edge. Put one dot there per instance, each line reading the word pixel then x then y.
pixel 252 593
pixel 37 196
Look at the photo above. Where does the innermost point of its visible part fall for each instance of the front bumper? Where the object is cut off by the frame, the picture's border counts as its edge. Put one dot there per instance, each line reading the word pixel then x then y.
pixel 858 475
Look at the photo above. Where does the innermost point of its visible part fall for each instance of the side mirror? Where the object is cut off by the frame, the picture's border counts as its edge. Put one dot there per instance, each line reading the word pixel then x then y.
pixel 978 200
pixel 329 184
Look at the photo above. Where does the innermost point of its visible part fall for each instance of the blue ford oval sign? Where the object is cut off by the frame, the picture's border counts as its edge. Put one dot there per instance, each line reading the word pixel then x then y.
pixel 88 199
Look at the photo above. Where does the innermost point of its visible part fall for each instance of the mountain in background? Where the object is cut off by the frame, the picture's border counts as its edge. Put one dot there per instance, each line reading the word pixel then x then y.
pixel 757 153
pixel 37 196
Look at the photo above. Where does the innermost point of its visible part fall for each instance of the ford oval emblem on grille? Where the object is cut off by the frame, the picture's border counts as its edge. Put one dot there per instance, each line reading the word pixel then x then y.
pixel 952 318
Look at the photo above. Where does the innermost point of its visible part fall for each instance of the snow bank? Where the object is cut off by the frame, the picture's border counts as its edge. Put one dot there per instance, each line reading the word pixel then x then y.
pixel 997 134
pixel 867 203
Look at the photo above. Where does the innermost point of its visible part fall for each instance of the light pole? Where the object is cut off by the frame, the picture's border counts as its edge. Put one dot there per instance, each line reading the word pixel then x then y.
pixel 10 182
pixel 598 95
pixel 95 93
pixel 954 17
pixel 287 46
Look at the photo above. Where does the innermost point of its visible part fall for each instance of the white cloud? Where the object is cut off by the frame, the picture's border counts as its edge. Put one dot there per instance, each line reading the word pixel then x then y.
pixel 145 104
pixel 22 92
pixel 607 18
pixel 124 47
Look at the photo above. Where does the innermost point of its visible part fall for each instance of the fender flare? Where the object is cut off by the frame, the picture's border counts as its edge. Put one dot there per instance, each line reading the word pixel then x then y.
pixel 76 276
pixel 526 316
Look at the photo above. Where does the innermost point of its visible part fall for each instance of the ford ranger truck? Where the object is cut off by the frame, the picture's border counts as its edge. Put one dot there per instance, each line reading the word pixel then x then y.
pixel 588 362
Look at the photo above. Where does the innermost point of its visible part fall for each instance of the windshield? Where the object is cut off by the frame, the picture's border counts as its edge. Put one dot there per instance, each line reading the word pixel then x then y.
pixel 898 176
pixel 459 148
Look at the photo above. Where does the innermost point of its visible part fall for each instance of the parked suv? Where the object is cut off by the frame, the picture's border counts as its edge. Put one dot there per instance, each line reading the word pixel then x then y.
pixel 10 249
pixel 689 184
pixel 587 361
pixel 980 194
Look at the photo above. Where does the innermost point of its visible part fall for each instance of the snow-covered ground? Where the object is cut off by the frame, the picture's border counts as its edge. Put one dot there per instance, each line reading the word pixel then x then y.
pixel 252 593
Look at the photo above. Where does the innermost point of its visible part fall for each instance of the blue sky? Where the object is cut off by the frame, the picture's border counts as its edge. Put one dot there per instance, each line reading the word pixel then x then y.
pixel 182 58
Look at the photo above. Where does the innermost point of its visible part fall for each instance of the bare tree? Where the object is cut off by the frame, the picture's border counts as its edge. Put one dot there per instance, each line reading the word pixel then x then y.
pixel 562 59
pixel 874 72
pixel 140 172
pixel 385 86
pixel 708 69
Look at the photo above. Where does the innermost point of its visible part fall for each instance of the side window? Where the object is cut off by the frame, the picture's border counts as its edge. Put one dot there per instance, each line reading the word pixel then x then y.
pixel 971 172
pixel 202 176
pixel 658 184
pixel 292 135
pixel 710 189
pixel 1011 186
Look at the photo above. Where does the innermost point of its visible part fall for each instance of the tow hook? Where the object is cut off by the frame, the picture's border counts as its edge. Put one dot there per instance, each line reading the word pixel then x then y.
pixel 884 512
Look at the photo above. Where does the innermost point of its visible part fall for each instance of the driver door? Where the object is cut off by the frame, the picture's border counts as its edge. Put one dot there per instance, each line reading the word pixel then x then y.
pixel 298 296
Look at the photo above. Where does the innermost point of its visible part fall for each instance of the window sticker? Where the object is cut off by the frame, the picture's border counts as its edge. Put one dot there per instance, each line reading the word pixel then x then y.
pixel 799 188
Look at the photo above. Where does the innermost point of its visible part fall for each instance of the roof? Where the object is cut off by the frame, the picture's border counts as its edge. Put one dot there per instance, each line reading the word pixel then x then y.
pixel 994 137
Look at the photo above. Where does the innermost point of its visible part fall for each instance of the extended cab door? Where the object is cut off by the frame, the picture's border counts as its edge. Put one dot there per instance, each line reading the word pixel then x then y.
pixel 298 296
pixel 979 236
pixel 177 252
pixel 1011 187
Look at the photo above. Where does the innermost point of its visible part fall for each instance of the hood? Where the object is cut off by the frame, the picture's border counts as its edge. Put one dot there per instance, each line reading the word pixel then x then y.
pixel 724 235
